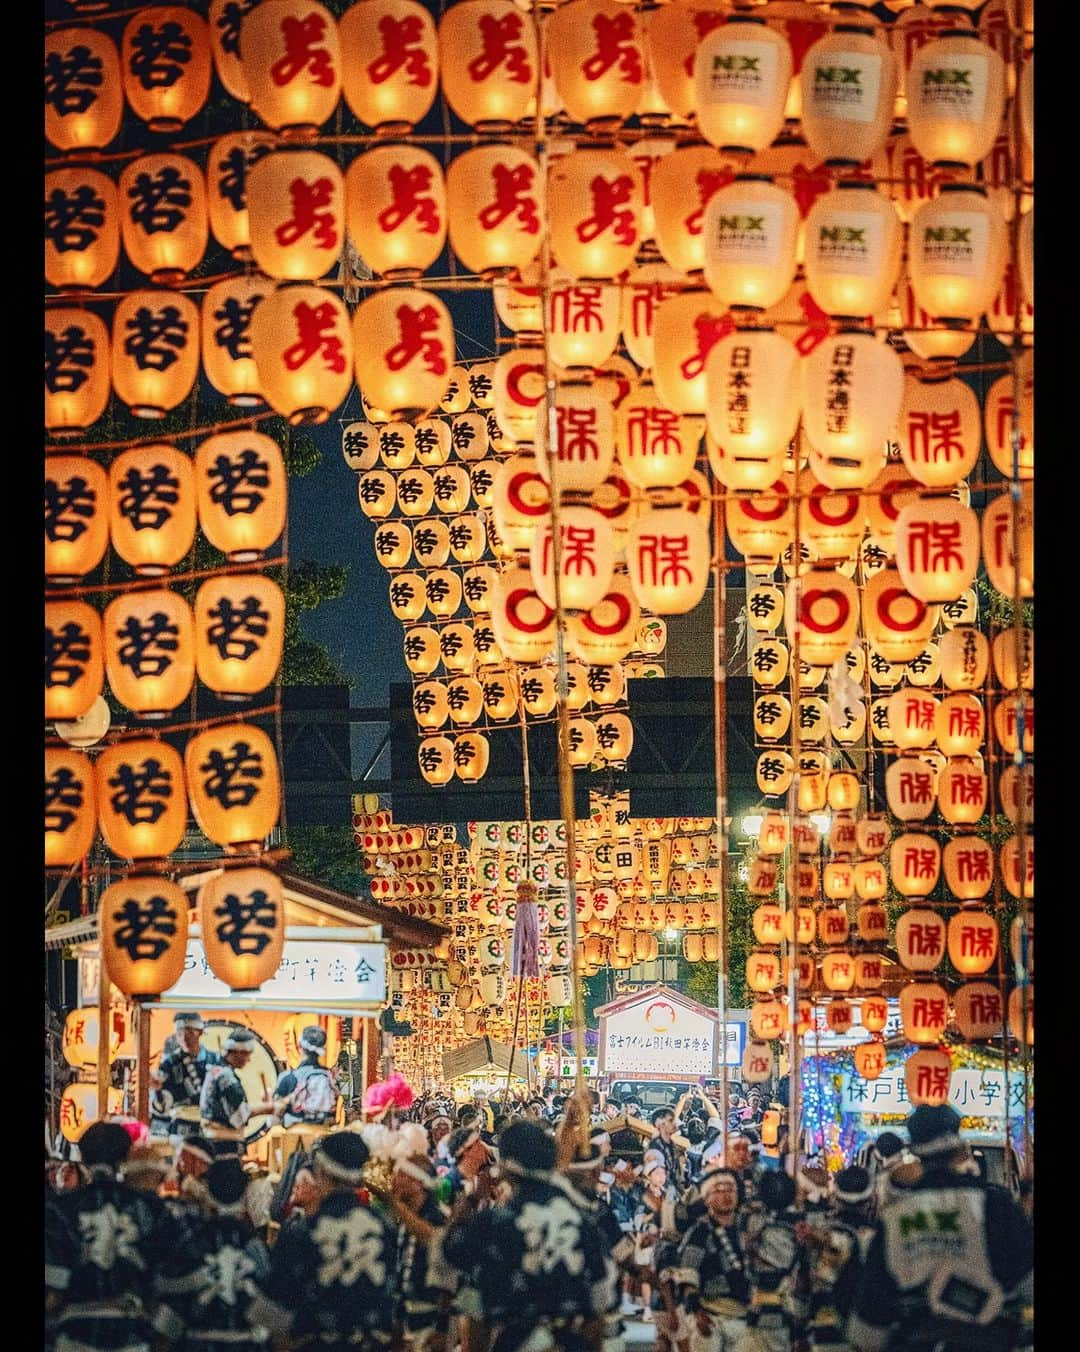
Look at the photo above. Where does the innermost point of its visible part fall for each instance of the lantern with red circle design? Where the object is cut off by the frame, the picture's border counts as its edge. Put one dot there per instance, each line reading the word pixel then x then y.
pixel 595 49
pixel 742 71
pixel 821 613
pixel 84 94
pixel 166 64
pixel 396 209
pixel 142 806
pixel 595 198
pixel 979 1010
pixel 488 62
pixel 240 489
pixel 302 345
pixel 390 63
pixel 77 362
pixel 76 517
pixel 520 383
pixel 604 634
pixel 144 927
pixel 70 815
pixel 242 919
pixel 404 343
pixel 82 228
pixel 897 624
pixel 233 780
pixel 291 56
pixel 524 624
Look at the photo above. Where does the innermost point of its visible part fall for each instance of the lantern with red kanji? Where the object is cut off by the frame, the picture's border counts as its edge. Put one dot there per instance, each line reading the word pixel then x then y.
pixel 853 242
pixel 84 94
pixel 870 1059
pixel 163 216
pixel 520 382
pixel 291 57
pixel 914 864
pixel 897 624
pixel 800 926
pixel 79 1107
pixel 869 971
pixel 668 560
pixel 912 718
pixel 909 789
pixel 920 939
pixel 605 633
pixel 296 210
pixel 404 343
pixel 74 661
pixel 396 209
pixel 838 971
pixel 754 393
pixel 681 184
pixel 1021 1011
pixel 240 491
pixel 685 329
pixel 762 972
pixel 239 631
pixel 838 880
pixel 848 88
pixel 488 62
pixel 821 613
pixel 234 784
pixel 927 1074
pixel 968 862
pixel 839 1015
pixel 955 98
pixel 166 63
pixel 70 811
pixel 242 920
pixel 142 806
pixel 77 368
pixel 594 201
pixel 149 651
pixel 495 206
pixel 979 1010
pixel 390 63
pixel 227 165
pixel 76 517
pixel 302 345
pixel 143 926
pixel 742 71
pixel 656 446
pixel 155 350
pixel 939 430
pixel 874 1013
pixel 82 229
pixel 973 941
pixel 768 1018
pixel 768 923
pixel 999 415
pixel 672 35
pixel 152 507
pixel 524 624
pixel 750 228
pixel 757 1058
pixel 584 447
pixel 1006 572
pixel 924 1012
pixel 582 321
pixel 962 792
pixel 956 254
pixel 595 50
pixel 586 559
pixel 852 388
pixel 227 309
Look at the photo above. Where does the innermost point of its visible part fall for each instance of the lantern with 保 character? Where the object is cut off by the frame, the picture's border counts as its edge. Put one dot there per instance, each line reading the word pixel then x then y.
pixel 239 632
pixel 874 1013
pixel 149 651
pixel 681 184
pixel 152 507
pixel 144 926
pixel 968 862
pixel 870 1059
pixel 82 229
pixel 749 229
pixel 821 613
pixel 584 440
pixel 1021 1010
pixel 291 59
pixel 234 784
pixel 762 972
pixel 998 418
pixel 1006 722
pixel 1016 791
pixel 852 388
pixel 84 95
pixel 163 216
pixel 757 1062
pixel 839 1015
pixel 586 559
pixel 227 360
pixel 768 923
pixel 1016 862
pixel 240 491
pixel 979 1010
pixel 972 941
pixel 924 1012
pixel 303 348
pixel 939 430
pixel 582 321
pixel 165 65
pixel 833 926
pixel 742 71
pixel 768 1018
pixel 488 62
pixel 227 166
pixel 76 517
pixel 909 789
pixel 77 370
pixel 656 446
pixel 927 1075
pixel 957 253
pixel 242 919
pixel 869 971
pixel 848 89
pixel 594 201
pixel 390 63
pixel 955 98
pixel 155 351
pixel 596 52
pixel 396 209
pixel 79 1108
pixel 70 810
pixel 920 939
pixel 912 718
pixel 914 864
pixel 998 547
pixel 74 659
pixel 897 624
pixel 668 560
pixel 962 792
pixel 838 971
pixel 853 243
pixel 800 926
pixel 937 548
pixel 838 880
pixel 404 348
pixel 495 206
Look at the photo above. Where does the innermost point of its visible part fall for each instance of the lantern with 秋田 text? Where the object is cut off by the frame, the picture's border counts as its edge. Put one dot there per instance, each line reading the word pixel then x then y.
pixel 141 802
pixel 234 784
pixel 165 65
pixel 242 919
pixel 144 925
pixel 302 344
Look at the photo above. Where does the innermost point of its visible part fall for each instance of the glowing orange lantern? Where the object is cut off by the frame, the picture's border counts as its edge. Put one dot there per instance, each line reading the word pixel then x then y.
pixel 82 229
pixel 1006 573
pixel 668 560
pixel 853 243
pixel 839 1015
pixel 768 924
pixel 750 228
pixel 912 716
pixel 969 867
pixel 1022 1013
pixel 152 507
pixel 396 209
pixel 296 212
pixel 291 57
pixel 583 451
pixel 920 939
pixel 70 815
pixel 404 347
pixel 897 624
pixel 165 56
pixel 242 920
pixel 524 625
pixel 233 780
pixel 909 788
pixel 960 725
pixel 583 322
pixel 596 52
pixel 606 632
pixel 955 98
pixel 520 382
pixel 999 416
pixel 144 927
pixel 979 1011
pixel 76 517
pixel 753 393
pixel 225 18
pixel 962 792
pixel 227 309
pixel 77 365
pixel 924 1012
pixel 163 216
pixel 436 759
pixel 657 447
pixel 390 63
pixel 914 864
pixel 939 430
pixel 869 971
pixel 685 330
pixel 302 345
pixel 679 213
pixel 227 165
pixel 488 62
pixel 672 35
pixel 838 880
pixel 757 1058
pixel 84 95
pixel 240 492
pixel 149 651
pixel 800 926
pixel 927 1075
pixel 595 198
pixel 833 926
pixel 155 350
pixel 586 559
pixel 239 631
pixel 142 806
pixel 1014 659
pixel 956 253
pixel 742 71
pixel 973 942
pixel 495 209
pixel 838 972
pixel 768 1018
pixel 874 1013
pixel 821 613
pixel 79 1108
pixel 74 664
pixel 848 89
pixel 872 376
pixel 762 972
pixel 870 1059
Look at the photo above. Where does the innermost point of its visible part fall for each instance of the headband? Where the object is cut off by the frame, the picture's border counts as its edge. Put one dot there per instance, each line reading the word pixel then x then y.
pixel 341 1172
pixel 851 1198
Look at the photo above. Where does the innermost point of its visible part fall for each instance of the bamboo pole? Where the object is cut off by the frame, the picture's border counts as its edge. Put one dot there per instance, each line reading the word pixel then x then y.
pixel 720 767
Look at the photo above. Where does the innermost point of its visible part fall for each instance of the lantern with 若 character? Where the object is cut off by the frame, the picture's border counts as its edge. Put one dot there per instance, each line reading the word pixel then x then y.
pixel 465 699
pixel 909 789
pixel 614 738
pixel 408 596
pixel 853 243
pixel 914 864
pixel 165 65
pixel 76 517
pixel 848 90
pixel 404 346
pixel 753 392
pixel 775 771
pixel 582 749
pixel 155 350
pixel 77 370
pixel 822 610
pixel 234 784
pixel 74 659
pixel 742 71
pixel 296 210
pixel 144 928
pixel 920 939
pixel 594 202
pixel 451 488
pixel 84 94
pixel 956 253
pixel 657 447
pixel 979 1011
pixel 431 707
pixel 149 651
pixel 962 792
pixel 302 345
pixel 163 216
pixel 596 52
pixel 897 624
pixel 390 63
pixel 582 320
pixel 750 228
pixel 70 810
pixel 852 388
pixel 242 918
pixel 939 430
pixel 973 941
pixel 924 1012
pixel 393 544
pixel 680 185
pixel 495 205
pixel 240 489
pixel 142 806
pixel 1006 574
pixel 376 491
pixel 488 62
pixel 396 209
pixel 955 98
pixel 443 592
pixel 772 717
pixel 225 18
pixel 769 662
pixel 584 444
pixel 472 752
pixel 227 359
pixel 435 756
pixel 870 1059
pixel 239 632
pixel 291 58
pixel 668 560
pixel 82 229
pixel 152 507
pixel 227 165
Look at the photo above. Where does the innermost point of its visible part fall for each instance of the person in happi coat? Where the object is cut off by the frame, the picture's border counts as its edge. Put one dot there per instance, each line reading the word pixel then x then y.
pixel 537 1264
pixel 223 1105
pixel 836 1247
pixel 709 1280
pixel 179 1076
pixel 310 1093
pixel 584 1171
pixel 332 1283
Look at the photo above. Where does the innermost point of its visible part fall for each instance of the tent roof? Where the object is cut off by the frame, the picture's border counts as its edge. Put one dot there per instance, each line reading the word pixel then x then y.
pixel 483 1056
pixel 657 992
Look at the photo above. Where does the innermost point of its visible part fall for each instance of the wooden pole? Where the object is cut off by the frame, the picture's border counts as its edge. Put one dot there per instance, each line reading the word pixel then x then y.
pixel 720 767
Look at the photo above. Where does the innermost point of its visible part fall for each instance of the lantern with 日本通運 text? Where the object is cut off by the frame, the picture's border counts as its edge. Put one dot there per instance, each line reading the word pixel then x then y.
pixel 979 1010
pixel 239 631
pixel 909 789
pixel 968 862
pixel 657 447
pixel 852 388
pixel 605 633
pixel 927 1075
pixel 163 216
pixel 396 209
pixel 234 784
pixel 228 163
pixel 70 809
pixel 74 659
pixel 142 806
pixel 82 228
pixel 296 211
pixel 742 71
pixel 914 864
pixel 149 651
pixel 920 939
pixel 495 206
pixel 586 559
pixel 240 491
pixel 302 345
pixel 144 926
pixel 973 941
pixel 77 370
pixel 488 62
pixel 84 95
pixel 897 624
pixel 821 613
pixel 76 517
pixel 291 57
pixel 227 358
pixel 955 89
pixel 152 501
pixel 924 1012
pixel 956 254
pixel 596 52
pixel 404 345
pixel 582 321
pixel 584 442
pixel 390 63
pixel 242 920
pixel 681 184
pixel 939 430
pixel 750 229
pixel 962 791
pixel 594 202
pixel 668 560
pixel 1007 574
pixel 524 627
pixel 848 89
pixel 853 243
pixel 870 1059
pixel 165 65
pixel 753 393
pixel 155 350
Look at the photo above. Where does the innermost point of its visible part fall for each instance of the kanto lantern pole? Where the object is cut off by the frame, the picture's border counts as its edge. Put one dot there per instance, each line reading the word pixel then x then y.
pixel 720 769
pixel 791 873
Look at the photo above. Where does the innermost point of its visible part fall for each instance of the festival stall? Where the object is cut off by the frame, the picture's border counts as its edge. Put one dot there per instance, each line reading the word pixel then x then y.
pixel 487 1065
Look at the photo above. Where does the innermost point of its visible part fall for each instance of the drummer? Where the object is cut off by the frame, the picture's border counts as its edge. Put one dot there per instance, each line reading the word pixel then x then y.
pixel 223 1106
pixel 181 1073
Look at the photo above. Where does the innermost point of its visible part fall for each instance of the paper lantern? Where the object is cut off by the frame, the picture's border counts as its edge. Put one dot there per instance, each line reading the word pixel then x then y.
pixel 149 651
pixel 757 1058
pixel 839 1015
pixel 459 647
pixel 672 34
pixel 227 309
pixel 912 717
pixel 838 880
pixel 594 200
pixel 668 560
pixel 870 1059
pixel 225 18
pixel 495 205
pixel 897 624
pixel 681 184
pixel 924 1012
pixel 583 448
pixel 1021 1012
pixel 77 362
pixel 762 972
pixel 302 346
pixel 685 329
pixel 956 253
pixel 155 351
pixel 999 552
pixel 1016 861
pixel 596 52
pixel 582 321
pixel 143 929
pixel 753 393
pixel 772 717
pixel 239 632
pixel 81 227
pixel 142 807
pixel 874 1013
pixel 163 216
pixel 240 490
pixel 431 542
pixel 586 559
pixel 973 942
pixel 465 699
pixel 296 209
pixel 152 500
pixel 761 879
pixel 939 430
pixel 821 614
pixel 657 447
pixel 969 867
pixel 70 819
pixel 76 517
pixel 742 71
pixel 605 633
pixel 291 59
pixel 979 1012
pixel 1014 658
pixel 435 756
pixel 964 658
pixel 801 926
pixel 74 663
pixel 962 792
pixel 228 163
pixel 615 740
pixel 960 725
pixel 642 292
pixel 749 230
pixel 768 1019
pixel 871 376
pixel 869 971
pixel 841 839
pixel 242 919
pixel 853 243
pixel 404 347
pixel 234 784
pixel 520 384
pixel 955 99
pixel 396 209
pixel 838 971
pixel 84 95
pixel 909 788
pixel 767 922
pixel 582 749
pixel 82 1034
pixel 833 926
pixel 761 526
pixel 430 704
pixel 165 61
pixel 525 630
pixel 914 864
pixel 775 772
pixel 488 62
pixel 390 63
pixel 848 88
pixel 920 939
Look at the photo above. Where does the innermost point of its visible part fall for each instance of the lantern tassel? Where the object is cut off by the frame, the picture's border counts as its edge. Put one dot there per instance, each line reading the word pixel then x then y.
pixel 525 945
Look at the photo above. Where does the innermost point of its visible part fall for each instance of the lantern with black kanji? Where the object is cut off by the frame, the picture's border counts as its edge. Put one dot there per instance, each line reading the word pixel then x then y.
pixel 82 229
pixel 390 63
pixel 595 51
pixel 166 63
pixel 292 64
pixel 853 244
pixel 396 209
pixel 74 661
pixel 870 1059
pixel 70 816
pixel 142 806
pixel 436 759
pixel 77 370
pixel 488 62
pixel 472 752
pixel 957 247
pixel 234 784
pixel 852 388
pixel 143 925
pixel 296 210
pixel 163 216
pixel 84 95
pixel 239 631
pixel 404 346
pixel 240 492
pixel 750 228
pixel 897 624
pixel 242 920
pixel 302 344
pixel 155 350
pixel 595 198
pixel 754 393
pixel 955 98
pixel 149 651
pixel 742 71
pixel 227 309
pixel 979 1011
pixel 227 165
pixel 152 507
pixel 848 89
pixel 225 18
pixel 76 517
